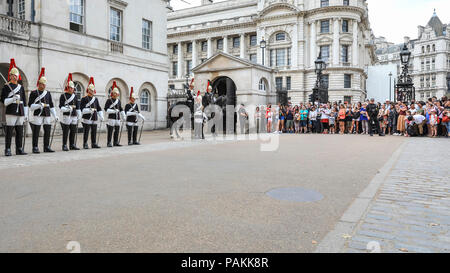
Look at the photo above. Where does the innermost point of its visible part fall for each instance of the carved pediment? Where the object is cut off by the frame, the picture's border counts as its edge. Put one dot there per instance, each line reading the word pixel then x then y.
pixel 325 40
pixel 222 61
pixel 275 8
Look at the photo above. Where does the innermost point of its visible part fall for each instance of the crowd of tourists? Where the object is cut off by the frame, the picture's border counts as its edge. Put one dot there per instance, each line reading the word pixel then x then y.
pixel 419 118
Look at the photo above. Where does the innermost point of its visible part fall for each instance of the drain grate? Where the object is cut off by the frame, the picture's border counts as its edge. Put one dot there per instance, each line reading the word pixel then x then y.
pixel 295 195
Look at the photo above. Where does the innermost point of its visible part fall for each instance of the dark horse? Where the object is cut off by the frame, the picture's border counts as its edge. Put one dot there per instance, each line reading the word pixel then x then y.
pixel 208 99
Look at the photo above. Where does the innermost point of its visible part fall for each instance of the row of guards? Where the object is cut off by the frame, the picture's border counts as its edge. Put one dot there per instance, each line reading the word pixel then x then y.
pixel 86 111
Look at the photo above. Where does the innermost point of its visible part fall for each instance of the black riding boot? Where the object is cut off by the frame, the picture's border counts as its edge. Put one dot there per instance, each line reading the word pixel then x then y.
pixel 110 134
pixel 116 136
pixel 72 135
pixel 8 140
pixel 47 133
pixel 35 131
pixel 66 129
pixel 135 133
pixel 86 128
pixel 19 140
pixel 130 133
pixel 94 137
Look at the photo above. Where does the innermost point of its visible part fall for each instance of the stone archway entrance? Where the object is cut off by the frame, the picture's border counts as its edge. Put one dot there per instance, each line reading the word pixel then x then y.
pixel 225 86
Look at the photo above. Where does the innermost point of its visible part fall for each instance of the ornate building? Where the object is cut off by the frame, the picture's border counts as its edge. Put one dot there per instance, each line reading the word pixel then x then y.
pixel 223 41
pixel 111 40
pixel 430 58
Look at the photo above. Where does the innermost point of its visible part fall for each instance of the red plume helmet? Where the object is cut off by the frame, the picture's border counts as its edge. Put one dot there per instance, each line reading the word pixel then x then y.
pixel 114 85
pixel 12 64
pixel 192 81
pixel 69 79
pixel 91 81
pixel 207 87
pixel 42 74
pixel 198 93
pixel 131 93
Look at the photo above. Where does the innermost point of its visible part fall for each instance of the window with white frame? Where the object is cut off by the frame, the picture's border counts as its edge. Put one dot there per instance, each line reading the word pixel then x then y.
pixel 21 9
pixel 115 25
pixel 146 34
pixel 145 101
pixel 262 85
pixel 325 50
pixel 77 15
pixel 78 90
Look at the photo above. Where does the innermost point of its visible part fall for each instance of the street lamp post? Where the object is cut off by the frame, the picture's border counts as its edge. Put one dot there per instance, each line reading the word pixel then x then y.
pixel 263 45
pixel 405 86
pixel 320 92
pixel 390 86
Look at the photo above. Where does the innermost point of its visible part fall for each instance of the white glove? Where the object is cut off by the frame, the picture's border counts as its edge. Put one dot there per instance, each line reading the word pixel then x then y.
pixel 35 107
pixel 79 116
pixel 66 109
pixel 9 101
pixel 17 97
pixel 53 112
pixel 122 114
pixel 111 111
pixel 87 111
pixel 100 114
pixel 131 114
pixel 25 111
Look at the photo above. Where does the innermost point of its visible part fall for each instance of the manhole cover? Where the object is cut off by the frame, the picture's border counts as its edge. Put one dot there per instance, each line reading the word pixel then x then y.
pixel 295 195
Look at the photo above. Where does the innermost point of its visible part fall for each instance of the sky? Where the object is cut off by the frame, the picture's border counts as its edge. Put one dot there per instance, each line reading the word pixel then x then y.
pixel 393 19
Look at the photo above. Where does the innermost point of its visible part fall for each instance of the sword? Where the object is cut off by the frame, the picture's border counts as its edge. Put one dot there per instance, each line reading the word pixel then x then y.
pixel 53 134
pixel 121 130
pixel 142 129
pixel 98 132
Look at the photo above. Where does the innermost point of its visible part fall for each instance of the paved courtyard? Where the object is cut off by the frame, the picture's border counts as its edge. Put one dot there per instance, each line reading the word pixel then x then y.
pixel 168 196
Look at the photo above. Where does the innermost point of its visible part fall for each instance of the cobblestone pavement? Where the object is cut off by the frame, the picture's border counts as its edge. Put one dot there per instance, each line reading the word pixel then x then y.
pixel 411 212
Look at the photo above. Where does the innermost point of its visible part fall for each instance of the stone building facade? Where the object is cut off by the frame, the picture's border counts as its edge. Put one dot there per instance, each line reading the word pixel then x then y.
pixel 430 58
pixel 295 32
pixel 110 40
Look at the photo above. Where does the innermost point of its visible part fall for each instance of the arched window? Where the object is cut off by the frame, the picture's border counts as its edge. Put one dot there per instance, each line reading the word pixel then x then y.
pixel 428 48
pixel 423 49
pixel 79 89
pixel 434 48
pixel 145 101
pixel 262 85
pixel 280 36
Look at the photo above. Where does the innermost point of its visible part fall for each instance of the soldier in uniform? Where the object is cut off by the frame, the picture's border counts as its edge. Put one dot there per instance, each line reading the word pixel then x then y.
pixel 113 108
pixel 133 114
pixel 208 98
pixel 92 114
pixel 372 111
pixel 14 98
pixel 70 107
pixel 41 105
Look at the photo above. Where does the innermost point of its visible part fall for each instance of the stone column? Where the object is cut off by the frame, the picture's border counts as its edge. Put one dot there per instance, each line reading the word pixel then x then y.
pixel 313 39
pixel 180 61
pixel 194 54
pixel 210 50
pixel 336 44
pixel 355 46
pixel 294 51
pixel 242 46
pixel 225 44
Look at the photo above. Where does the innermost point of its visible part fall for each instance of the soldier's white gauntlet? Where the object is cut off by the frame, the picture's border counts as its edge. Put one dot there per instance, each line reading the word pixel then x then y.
pixel 10 101
pixel 100 114
pixel 87 111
